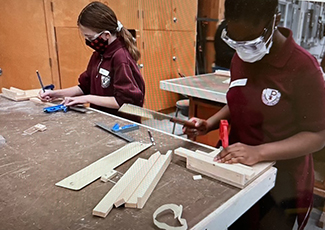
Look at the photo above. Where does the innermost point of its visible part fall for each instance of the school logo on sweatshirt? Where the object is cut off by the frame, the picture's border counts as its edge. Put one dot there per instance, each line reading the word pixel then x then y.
pixel 105 78
pixel 271 97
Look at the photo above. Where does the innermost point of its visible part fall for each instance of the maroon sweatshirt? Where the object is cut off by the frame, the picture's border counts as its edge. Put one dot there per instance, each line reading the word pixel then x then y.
pixel 114 73
pixel 274 99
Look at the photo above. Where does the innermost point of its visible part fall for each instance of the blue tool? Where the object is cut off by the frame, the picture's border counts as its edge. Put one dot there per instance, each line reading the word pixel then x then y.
pixel 125 128
pixel 56 108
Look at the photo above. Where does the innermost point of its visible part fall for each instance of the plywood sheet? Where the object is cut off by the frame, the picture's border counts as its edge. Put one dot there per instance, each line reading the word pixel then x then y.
pixel 95 170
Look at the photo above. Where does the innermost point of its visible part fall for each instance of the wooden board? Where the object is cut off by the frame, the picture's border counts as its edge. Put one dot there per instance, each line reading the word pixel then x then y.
pixel 144 190
pixel 238 175
pixel 19 95
pixel 95 170
pixel 106 204
pixel 141 174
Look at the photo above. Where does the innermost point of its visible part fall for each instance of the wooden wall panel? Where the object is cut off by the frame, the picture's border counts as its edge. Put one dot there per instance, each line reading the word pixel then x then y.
pixel 185 12
pixel 157 15
pixel 157 66
pixel 65 13
pixel 24 46
pixel 126 11
pixel 73 55
pixel 183 49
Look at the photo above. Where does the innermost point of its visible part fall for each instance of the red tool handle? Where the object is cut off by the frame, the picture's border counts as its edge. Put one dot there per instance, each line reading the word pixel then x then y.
pixel 223 133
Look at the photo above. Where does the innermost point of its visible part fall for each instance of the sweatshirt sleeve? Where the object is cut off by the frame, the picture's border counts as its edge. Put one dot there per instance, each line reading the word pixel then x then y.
pixel 84 78
pixel 126 88
pixel 310 101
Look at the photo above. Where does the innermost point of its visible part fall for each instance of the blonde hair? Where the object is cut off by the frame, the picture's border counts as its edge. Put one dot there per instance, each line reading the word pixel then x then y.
pixel 99 17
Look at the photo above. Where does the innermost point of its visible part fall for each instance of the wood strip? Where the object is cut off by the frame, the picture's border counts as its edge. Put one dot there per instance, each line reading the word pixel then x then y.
pixel 106 204
pixel 95 170
pixel 214 170
pixel 18 94
pixel 238 175
pixel 127 193
pixel 143 192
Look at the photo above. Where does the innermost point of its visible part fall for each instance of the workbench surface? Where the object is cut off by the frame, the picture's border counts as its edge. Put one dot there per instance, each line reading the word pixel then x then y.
pixel 30 165
pixel 212 86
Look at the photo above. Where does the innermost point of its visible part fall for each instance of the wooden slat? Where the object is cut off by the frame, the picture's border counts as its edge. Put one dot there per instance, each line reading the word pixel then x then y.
pixel 142 193
pixel 127 193
pixel 18 94
pixel 106 204
pixel 95 170
pixel 238 175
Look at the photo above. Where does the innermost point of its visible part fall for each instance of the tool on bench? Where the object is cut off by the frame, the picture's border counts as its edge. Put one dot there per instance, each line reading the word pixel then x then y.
pixel 119 134
pixel 56 108
pixel 64 108
pixel 223 133
pixel 151 138
pixel 51 86
pixel 142 112
pixel 125 128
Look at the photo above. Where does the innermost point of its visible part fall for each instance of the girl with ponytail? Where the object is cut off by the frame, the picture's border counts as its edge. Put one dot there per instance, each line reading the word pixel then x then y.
pixel 112 77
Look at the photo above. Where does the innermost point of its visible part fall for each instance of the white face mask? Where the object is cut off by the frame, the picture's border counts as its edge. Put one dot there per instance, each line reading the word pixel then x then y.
pixel 251 51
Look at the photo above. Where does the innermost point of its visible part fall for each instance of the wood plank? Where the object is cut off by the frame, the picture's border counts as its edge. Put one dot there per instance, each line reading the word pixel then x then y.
pixel 106 204
pixel 19 95
pixel 238 175
pixel 95 170
pixel 143 192
pixel 127 193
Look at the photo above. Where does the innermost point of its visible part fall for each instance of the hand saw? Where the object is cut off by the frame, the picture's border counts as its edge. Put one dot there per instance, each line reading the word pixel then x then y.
pixel 147 113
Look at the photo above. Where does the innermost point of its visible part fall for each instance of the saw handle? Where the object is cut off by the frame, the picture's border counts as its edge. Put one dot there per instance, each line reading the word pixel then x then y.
pixel 183 122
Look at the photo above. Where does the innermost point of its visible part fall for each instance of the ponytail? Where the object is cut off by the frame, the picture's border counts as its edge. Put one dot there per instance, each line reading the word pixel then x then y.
pixel 130 43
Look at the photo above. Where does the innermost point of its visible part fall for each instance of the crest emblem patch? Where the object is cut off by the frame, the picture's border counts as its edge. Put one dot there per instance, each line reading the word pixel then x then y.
pixel 106 80
pixel 270 97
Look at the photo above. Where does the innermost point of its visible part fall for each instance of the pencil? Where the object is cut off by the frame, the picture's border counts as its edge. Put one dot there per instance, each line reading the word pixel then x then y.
pixel 40 80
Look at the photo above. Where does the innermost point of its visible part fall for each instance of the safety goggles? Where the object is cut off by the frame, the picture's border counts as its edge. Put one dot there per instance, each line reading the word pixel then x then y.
pixel 96 36
pixel 250 45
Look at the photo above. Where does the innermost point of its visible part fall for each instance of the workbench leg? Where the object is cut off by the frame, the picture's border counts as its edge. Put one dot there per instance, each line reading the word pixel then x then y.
pixel 321 221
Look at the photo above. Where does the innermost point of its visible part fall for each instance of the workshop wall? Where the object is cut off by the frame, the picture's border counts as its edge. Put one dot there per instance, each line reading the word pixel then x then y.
pixel 46 38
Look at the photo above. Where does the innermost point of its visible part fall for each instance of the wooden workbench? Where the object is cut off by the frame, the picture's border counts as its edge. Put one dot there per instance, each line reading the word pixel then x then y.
pixel 30 165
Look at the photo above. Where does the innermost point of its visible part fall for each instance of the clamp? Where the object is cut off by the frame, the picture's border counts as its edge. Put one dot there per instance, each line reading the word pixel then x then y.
pixel 56 108
pixel 125 128
pixel 223 133
pixel 50 87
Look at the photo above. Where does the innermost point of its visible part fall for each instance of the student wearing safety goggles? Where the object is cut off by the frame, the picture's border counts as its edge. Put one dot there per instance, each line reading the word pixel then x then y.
pixel 275 105
pixel 112 77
